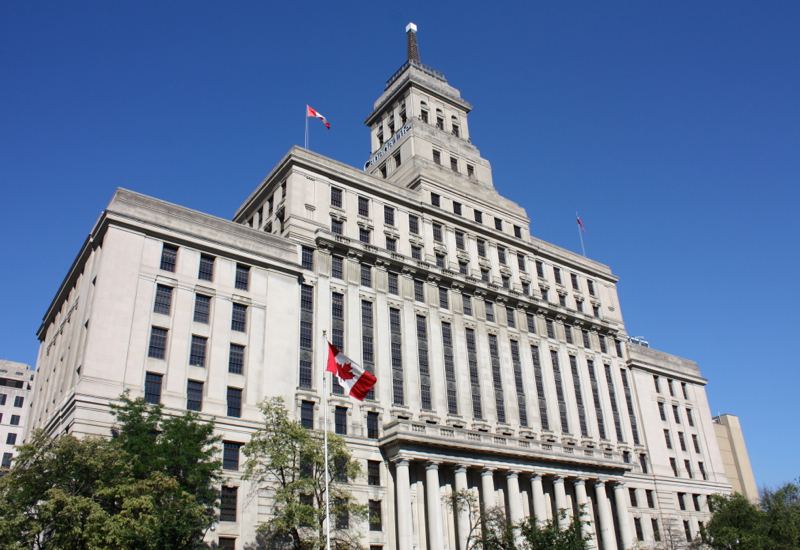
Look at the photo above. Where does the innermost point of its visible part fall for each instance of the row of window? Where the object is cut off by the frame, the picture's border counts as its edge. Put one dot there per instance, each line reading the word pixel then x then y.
pixel 18 400
pixel 670 386
pixel 673 462
pixel 670 531
pixel 676 413
pixel 261 217
pixel 202 308
pixel 15 418
pixel 198 350
pixel 194 394
pixel 169 259
pixel 682 441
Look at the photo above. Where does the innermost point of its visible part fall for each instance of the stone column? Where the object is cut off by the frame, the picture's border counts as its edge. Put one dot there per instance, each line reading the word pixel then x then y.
pixel 584 513
pixel 487 483
pixel 606 530
pixel 403 491
pixel 539 507
pixel 623 515
pixel 434 497
pixel 462 514
pixel 561 502
pixel 514 500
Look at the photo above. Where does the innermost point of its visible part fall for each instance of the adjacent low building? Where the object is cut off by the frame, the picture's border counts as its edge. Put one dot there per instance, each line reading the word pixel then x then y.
pixel 502 361
pixel 16 380
pixel 735 459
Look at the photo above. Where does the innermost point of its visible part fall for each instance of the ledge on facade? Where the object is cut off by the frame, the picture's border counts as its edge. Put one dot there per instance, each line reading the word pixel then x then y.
pixel 649 357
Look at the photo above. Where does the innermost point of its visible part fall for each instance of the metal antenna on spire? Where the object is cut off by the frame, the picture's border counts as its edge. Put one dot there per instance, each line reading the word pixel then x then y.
pixel 413 50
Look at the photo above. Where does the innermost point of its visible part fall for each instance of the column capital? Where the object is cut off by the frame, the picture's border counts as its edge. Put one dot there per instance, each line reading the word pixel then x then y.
pixel 558 479
pixel 432 465
pixel 512 474
pixel 401 461
pixel 460 468
pixel 487 471
pixel 619 484
pixel 600 483
pixel 580 480
pixel 536 477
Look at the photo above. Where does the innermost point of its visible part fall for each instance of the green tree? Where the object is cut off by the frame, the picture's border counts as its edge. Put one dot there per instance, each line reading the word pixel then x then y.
pixel 736 523
pixel 148 487
pixel 489 529
pixel 781 509
pixel 286 462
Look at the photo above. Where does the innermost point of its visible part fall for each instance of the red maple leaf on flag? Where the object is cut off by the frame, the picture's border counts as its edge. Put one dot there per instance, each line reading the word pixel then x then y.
pixel 344 371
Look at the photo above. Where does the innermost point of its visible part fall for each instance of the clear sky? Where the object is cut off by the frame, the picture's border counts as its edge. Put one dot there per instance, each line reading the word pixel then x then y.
pixel 673 128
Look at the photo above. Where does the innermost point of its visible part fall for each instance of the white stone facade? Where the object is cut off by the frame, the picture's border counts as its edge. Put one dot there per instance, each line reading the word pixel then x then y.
pixel 501 360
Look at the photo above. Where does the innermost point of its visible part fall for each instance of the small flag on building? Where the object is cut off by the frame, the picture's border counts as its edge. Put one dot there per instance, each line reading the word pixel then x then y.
pixel 355 380
pixel 580 223
pixel 312 113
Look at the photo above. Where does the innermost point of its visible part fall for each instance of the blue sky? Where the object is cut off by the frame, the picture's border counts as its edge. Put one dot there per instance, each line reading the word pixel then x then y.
pixel 672 127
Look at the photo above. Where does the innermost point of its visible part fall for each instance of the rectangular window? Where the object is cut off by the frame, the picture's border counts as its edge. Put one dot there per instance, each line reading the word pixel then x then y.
pixel 375 517
pixel 230 455
pixel 197 355
pixel 366 276
pixel 202 308
pixel 363 235
pixel 629 403
pixel 543 290
pixel 510 319
pixel 602 339
pixel 568 334
pixel 236 359
pixel 696 502
pixel 637 523
pixel 667 439
pixel 618 347
pixel 460 240
pixel 498 224
pixel 337 228
pixel 336 197
pixel 478 216
pixel 340 420
pixel 437 232
pixel 696 443
pixel 598 408
pixel 682 441
pixel 521 262
pixel 657 384
pixel 540 392
pixel 472 355
pixel 242 277
pixel 688 464
pixel 337 267
pixel 685 390
pixel 194 395
pixel 239 318
pixel 11 439
pixel 416 253
pixel 557 275
pixel 682 501
pixel 228 498
pixel 306 298
pixel 307 415
pixel 702 469
pixel 374 473
pixel 7 460
pixel 158 343
pixel 662 411
pixel 372 426
pixel 551 332
pixel 674 464
pixel 517 231
pixel 206 272
pixel 363 207
pixel 560 394
pixel 481 248
pixel 163 299
pixel 454 164
pixel 394 284
pixel 562 299
pixel 586 342
pixel 576 381
pixel 456 208
pixel 485 275
pixel 444 301
pixel 470 170
pixel 650 502
pixel 590 284
pixel 419 291
pixel 305 374
pixel 489 311
pixel 234 402
pixel 531 323
pixel 466 301
pixel 3 398
pixel 152 388
pixel 656 531
pixel 14 419
pixel 307 258
pixel 574 281
pixel 391 244
pixel 634 500
pixel 388 215
pixel 169 255
pixel 689 417
pixel 539 269
pixel 676 413
pixel 435 199
pixel 463 268
pixel 669 385
pixel 612 395
pixel 440 260
pixel 497 379
pixel 413 225
pixel 501 255
pixel 437 155
pixel 687 530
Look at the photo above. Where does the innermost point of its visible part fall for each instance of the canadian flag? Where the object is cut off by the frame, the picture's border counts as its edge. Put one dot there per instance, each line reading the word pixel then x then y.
pixel 355 380
pixel 314 114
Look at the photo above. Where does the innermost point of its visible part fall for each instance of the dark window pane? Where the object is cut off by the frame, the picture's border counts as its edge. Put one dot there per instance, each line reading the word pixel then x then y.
pixel 197 357
pixel 234 402
pixel 202 308
pixel 239 319
pixel 194 395
pixel 236 359
pixel 242 277
pixel 228 498
pixel 152 388
pixel 308 258
pixel 230 455
pixel 158 343
pixel 169 255
pixel 206 272
pixel 163 299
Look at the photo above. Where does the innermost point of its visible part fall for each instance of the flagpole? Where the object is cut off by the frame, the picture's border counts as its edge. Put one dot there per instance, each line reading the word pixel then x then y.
pixel 325 428
pixel 580 235
pixel 323 377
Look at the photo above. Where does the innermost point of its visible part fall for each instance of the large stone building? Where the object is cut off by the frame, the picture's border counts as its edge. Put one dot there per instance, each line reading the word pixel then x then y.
pixel 502 361
pixel 16 380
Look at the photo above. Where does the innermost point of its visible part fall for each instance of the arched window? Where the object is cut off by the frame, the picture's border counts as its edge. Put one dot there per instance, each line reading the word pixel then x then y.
pixel 423 111
pixel 454 126
pixel 439 119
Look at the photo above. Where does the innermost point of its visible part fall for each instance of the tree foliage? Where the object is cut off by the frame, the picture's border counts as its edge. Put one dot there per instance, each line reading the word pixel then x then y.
pixel 772 524
pixel 286 462
pixel 148 487
pixel 489 529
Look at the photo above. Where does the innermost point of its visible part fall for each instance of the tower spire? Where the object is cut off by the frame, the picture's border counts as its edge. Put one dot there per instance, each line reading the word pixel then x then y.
pixel 413 50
